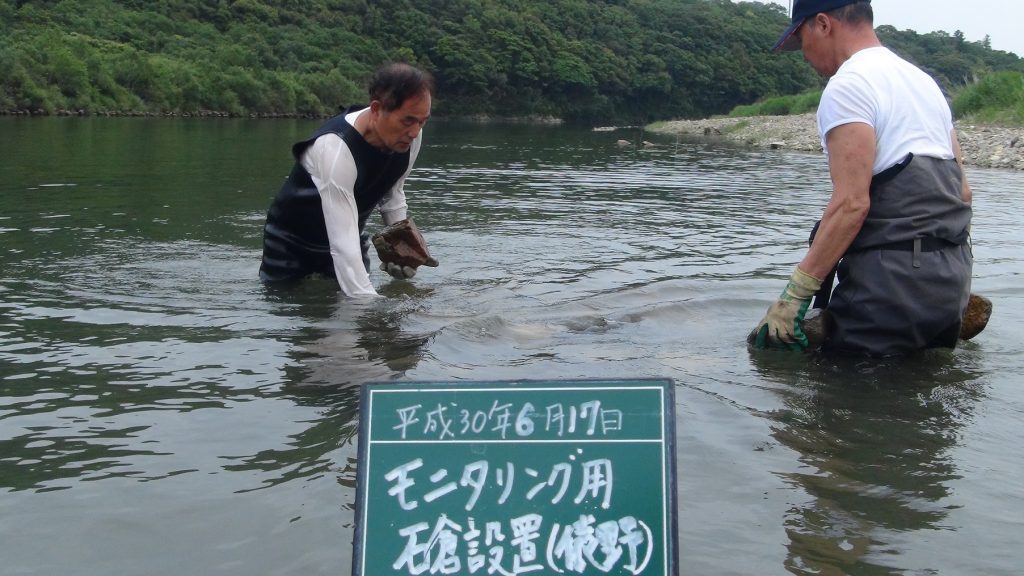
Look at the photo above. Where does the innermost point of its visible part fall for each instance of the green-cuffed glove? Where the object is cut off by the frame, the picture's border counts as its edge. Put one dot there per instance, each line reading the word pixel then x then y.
pixel 781 324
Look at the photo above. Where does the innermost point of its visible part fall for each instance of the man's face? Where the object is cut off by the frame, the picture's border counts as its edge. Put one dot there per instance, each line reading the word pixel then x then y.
pixel 814 36
pixel 399 127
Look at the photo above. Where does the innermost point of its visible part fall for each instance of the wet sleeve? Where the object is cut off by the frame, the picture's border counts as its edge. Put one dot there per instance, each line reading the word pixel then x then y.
pixel 393 207
pixel 332 167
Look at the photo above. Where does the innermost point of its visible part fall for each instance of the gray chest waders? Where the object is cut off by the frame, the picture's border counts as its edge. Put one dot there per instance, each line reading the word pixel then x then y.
pixel 905 280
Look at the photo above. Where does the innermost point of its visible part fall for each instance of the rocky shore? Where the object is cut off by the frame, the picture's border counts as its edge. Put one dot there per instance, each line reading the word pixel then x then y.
pixel 982 145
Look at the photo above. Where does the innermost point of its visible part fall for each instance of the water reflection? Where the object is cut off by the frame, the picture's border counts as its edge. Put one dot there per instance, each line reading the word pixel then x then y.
pixel 875 440
pixel 342 344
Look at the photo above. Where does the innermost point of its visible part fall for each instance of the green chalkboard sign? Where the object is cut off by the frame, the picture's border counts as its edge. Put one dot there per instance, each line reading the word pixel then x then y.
pixel 517 477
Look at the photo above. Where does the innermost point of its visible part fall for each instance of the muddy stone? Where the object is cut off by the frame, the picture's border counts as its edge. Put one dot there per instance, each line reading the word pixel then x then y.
pixel 401 243
pixel 979 310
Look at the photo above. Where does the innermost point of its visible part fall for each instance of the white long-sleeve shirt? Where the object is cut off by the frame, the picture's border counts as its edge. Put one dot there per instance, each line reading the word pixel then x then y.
pixel 333 169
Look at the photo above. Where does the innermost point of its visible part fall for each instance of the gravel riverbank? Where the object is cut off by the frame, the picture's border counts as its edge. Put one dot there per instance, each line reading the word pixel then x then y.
pixel 983 146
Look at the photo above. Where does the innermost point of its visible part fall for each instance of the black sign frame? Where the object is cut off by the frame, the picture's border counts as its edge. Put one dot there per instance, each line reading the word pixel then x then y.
pixel 571 433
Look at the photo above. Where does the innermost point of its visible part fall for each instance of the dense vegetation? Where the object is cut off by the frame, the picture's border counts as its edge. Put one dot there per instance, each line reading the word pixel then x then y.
pixel 998 98
pixel 588 60
pixel 780 105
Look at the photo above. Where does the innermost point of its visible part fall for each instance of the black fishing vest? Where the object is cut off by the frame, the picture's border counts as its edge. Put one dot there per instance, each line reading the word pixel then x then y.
pixel 295 240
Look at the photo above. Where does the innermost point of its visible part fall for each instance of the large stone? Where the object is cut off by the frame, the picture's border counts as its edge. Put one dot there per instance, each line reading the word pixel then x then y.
pixel 815 325
pixel 979 310
pixel 402 244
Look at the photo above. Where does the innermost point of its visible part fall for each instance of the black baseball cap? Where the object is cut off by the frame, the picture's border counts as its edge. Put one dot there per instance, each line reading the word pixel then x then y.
pixel 802 10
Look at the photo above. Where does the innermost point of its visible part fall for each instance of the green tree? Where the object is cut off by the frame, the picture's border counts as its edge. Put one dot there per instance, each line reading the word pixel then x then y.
pixel 587 60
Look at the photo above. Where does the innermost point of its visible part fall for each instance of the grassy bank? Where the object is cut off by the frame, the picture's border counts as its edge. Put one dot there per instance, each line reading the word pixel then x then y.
pixel 996 99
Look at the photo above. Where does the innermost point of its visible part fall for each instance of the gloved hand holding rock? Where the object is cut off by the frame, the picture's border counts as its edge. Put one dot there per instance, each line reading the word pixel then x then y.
pixel 398 271
pixel 781 324
pixel 402 249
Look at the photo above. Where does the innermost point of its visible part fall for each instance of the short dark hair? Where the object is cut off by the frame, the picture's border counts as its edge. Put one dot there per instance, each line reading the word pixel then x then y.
pixel 395 83
pixel 856 13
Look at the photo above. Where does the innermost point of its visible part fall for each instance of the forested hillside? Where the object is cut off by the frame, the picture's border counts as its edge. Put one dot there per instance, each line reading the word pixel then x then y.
pixel 586 60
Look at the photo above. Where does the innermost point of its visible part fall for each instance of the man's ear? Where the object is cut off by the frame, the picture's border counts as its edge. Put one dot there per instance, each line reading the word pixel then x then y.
pixel 823 22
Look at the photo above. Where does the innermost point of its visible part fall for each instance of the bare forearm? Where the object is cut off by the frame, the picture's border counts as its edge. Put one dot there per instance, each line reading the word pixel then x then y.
pixel 851 154
pixel 839 226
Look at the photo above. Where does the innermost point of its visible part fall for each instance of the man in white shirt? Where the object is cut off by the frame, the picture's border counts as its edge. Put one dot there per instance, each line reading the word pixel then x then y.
pixel 896 227
pixel 354 163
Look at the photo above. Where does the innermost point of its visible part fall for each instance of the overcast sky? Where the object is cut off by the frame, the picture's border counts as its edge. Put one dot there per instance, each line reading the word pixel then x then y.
pixel 1001 20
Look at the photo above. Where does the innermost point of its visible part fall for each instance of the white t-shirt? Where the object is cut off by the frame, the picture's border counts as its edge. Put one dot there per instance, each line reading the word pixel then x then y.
pixel 903 104
pixel 333 169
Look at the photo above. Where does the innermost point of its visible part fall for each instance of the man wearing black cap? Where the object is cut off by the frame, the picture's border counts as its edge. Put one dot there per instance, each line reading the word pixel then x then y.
pixel 898 220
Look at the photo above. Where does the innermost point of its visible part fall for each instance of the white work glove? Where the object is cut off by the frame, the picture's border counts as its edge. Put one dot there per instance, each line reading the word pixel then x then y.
pixel 397 271
pixel 781 325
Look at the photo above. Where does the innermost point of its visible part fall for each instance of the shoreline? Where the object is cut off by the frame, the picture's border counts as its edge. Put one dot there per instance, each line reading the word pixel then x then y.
pixel 982 146
pixel 481 118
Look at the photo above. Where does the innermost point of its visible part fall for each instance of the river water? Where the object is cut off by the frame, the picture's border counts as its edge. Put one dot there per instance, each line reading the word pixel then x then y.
pixel 163 413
